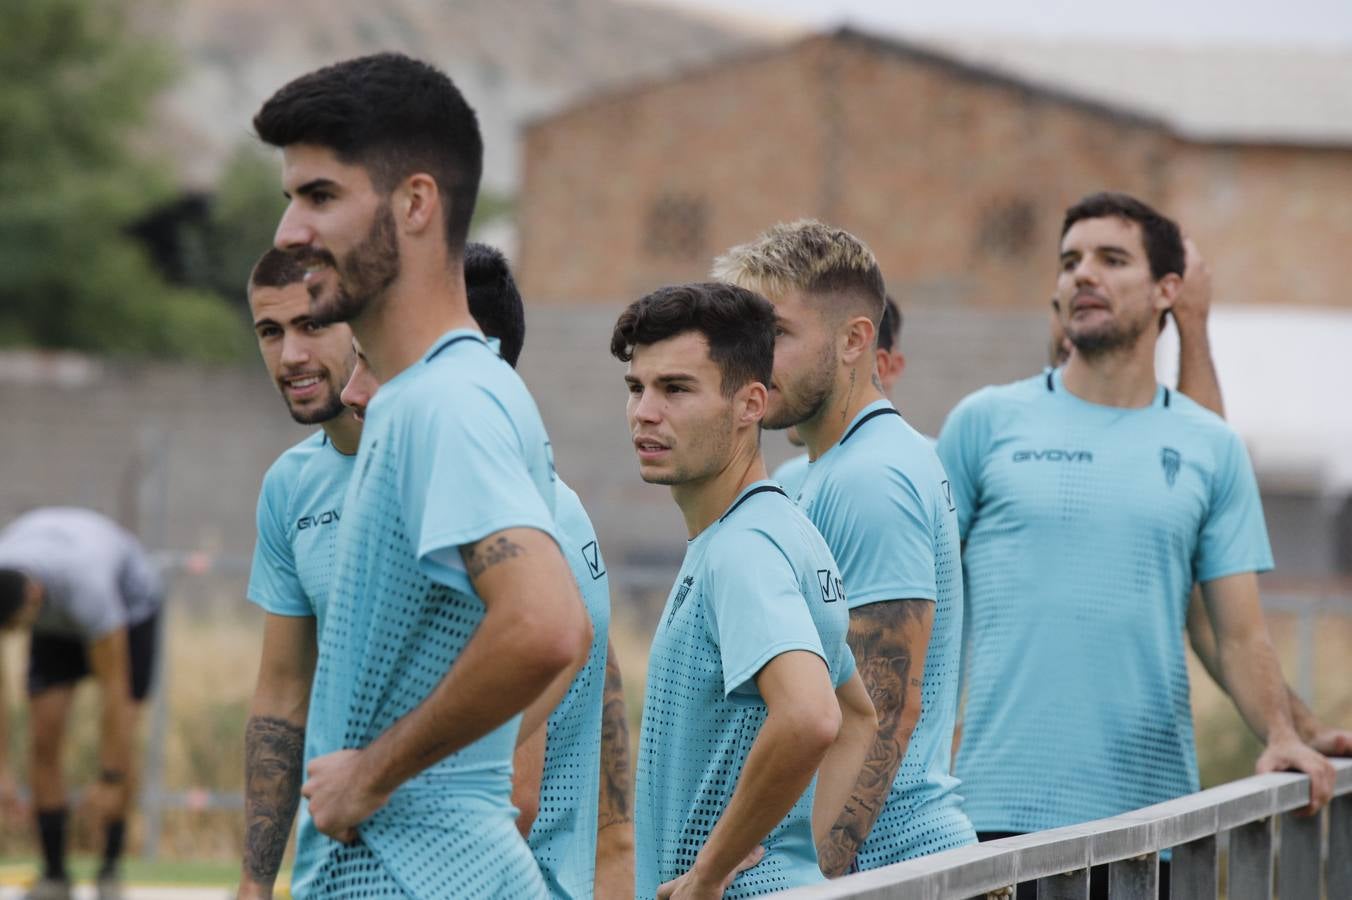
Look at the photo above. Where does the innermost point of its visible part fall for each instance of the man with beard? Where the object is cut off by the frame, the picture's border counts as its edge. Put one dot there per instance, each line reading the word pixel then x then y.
pixel 452 608
pixel 574 801
pixel 751 686
pixel 86 590
pixel 890 362
pixel 299 509
pixel 1090 500
pixel 879 496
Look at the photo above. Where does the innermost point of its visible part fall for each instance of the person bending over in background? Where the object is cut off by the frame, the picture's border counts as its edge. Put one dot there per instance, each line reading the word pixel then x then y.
pixel 91 598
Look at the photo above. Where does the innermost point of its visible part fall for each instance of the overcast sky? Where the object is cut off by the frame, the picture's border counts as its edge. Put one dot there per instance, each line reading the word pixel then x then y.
pixel 1289 22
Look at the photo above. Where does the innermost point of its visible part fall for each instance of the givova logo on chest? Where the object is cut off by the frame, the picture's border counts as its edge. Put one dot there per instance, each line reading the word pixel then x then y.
pixel 1055 455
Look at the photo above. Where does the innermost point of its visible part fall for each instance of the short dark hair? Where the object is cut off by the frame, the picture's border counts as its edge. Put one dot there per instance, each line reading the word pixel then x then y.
pixel 12 584
pixel 889 329
pixel 276 269
pixel 738 324
pixel 392 115
pixel 494 300
pixel 1163 241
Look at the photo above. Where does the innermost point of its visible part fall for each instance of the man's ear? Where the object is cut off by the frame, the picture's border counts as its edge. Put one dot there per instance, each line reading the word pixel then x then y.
pixel 857 339
pixel 752 401
pixel 1167 290
pixel 416 204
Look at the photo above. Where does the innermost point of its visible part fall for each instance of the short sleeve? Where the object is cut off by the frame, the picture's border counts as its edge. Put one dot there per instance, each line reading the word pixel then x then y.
pixel 962 446
pixel 467 473
pixel 883 537
pixel 756 608
pixel 1234 535
pixel 274 583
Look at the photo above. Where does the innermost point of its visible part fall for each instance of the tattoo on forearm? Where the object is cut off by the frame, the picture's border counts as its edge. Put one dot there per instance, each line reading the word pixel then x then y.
pixel 881 636
pixel 616 782
pixel 274 763
pixel 482 556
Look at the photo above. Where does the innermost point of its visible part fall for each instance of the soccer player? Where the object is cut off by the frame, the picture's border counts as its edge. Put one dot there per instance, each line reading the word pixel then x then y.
pixel 879 496
pixel 299 509
pixel 574 811
pixel 91 598
pixel 1197 379
pixel 1090 499
pixel 751 686
pixel 452 608
pixel 891 362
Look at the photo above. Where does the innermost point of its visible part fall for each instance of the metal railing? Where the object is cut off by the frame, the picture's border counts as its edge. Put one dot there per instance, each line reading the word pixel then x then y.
pixel 1310 857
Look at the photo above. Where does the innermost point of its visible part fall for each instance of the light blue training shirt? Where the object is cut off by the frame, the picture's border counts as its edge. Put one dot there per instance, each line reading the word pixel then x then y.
pixel 881 499
pixel 757 583
pixel 453 450
pixel 563 835
pixel 791 474
pixel 1085 528
pixel 299 509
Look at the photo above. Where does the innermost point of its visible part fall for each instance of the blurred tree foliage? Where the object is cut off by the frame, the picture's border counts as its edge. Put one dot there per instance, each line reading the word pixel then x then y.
pixel 75 85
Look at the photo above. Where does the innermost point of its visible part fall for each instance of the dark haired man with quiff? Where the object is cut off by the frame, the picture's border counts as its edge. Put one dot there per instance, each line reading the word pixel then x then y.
pixel 751 686
pixel 1090 500
pixel 453 610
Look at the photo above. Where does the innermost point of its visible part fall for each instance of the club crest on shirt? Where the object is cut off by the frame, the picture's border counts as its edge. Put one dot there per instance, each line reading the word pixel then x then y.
pixel 686 584
pixel 1171 461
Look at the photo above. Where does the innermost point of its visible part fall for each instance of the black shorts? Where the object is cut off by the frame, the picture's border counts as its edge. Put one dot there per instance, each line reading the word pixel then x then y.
pixel 55 661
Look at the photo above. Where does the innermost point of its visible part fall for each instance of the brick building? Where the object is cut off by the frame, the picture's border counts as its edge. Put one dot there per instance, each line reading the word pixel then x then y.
pixel 955 173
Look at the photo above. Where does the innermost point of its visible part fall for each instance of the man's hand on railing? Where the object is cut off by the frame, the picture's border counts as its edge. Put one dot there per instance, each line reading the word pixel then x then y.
pixel 1333 741
pixel 1289 754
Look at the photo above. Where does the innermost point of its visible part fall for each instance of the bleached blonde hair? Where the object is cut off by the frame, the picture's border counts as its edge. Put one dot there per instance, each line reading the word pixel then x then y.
pixel 809 256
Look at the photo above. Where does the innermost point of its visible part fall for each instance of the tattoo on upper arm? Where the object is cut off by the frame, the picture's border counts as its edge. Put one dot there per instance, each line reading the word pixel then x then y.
pixel 274 765
pixel 882 637
pixel 487 553
pixel 616 781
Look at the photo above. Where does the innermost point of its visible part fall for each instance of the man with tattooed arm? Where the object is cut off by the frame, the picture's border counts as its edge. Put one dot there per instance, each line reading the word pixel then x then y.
pixel 876 491
pixel 452 609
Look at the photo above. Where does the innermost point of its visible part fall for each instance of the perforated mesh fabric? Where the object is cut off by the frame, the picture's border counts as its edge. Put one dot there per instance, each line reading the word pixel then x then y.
pixel 1086 526
pixel 748 590
pixel 452 451
pixel 880 498
pixel 563 835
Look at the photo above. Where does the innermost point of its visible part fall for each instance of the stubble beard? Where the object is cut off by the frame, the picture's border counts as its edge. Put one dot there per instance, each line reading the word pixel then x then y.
pixel 1113 337
pixel 363 274
pixel 808 397
pixel 710 448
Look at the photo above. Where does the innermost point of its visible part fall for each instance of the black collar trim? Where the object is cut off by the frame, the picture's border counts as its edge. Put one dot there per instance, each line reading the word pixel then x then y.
pixel 455 340
pixel 764 488
pixel 885 411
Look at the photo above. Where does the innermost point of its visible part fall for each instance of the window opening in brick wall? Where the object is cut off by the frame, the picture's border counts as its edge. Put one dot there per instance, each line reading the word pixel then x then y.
pixel 676 227
pixel 1006 228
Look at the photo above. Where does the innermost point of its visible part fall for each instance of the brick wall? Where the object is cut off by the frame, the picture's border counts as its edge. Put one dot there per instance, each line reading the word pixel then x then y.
pixel 956 176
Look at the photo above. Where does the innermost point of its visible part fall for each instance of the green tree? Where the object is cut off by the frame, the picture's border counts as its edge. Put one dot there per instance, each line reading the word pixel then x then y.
pixel 75 86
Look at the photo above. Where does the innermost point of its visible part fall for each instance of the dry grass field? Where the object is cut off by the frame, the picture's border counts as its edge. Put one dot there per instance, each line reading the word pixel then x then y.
pixel 213 654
